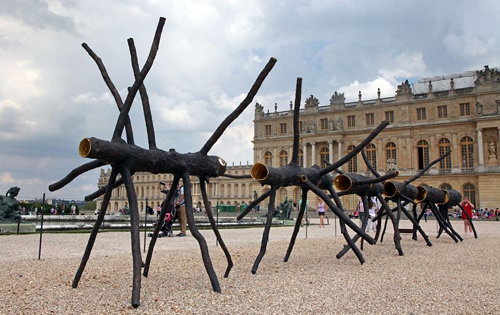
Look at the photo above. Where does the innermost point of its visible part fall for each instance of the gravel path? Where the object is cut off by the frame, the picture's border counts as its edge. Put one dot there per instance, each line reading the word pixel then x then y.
pixel 448 278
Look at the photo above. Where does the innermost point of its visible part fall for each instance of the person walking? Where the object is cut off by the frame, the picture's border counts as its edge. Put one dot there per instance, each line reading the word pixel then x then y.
pixel 181 210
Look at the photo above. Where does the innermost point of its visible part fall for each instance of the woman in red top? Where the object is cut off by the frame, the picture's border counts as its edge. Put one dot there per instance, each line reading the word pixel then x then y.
pixel 466 214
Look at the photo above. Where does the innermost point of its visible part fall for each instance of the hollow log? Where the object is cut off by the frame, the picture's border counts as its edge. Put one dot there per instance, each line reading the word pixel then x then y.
pixel 358 184
pixel 430 194
pixel 452 197
pixel 154 161
pixel 394 189
pixel 289 175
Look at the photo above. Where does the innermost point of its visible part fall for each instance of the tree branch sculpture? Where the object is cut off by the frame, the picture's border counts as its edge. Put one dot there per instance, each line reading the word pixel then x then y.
pixel 126 158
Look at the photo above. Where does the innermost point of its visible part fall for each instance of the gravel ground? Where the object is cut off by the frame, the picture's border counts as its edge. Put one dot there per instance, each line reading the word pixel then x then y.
pixel 451 278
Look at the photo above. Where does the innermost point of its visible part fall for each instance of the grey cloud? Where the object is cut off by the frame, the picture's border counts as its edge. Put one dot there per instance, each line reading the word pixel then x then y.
pixel 36 13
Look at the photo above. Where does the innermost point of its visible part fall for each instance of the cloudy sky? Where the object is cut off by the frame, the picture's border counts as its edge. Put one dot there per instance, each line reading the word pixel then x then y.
pixel 52 94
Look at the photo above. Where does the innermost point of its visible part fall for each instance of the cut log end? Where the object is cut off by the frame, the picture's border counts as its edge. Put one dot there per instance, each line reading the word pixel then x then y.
pixel 342 182
pixel 85 147
pixel 422 194
pixel 259 171
pixel 390 189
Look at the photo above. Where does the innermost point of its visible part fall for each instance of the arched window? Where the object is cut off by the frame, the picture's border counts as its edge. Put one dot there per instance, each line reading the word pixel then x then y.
pixel 352 165
pixel 236 190
pixel 470 193
pixel 423 154
pixel 324 156
pixel 391 156
pixel 300 158
pixel 445 186
pixel 467 151
pixel 283 158
pixel 243 190
pixel 371 154
pixel 283 194
pixel 222 190
pixel 268 158
pixel 444 147
pixel 229 191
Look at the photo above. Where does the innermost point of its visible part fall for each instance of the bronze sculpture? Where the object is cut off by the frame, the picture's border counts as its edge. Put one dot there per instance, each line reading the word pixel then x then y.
pixel 126 158
pixel 9 206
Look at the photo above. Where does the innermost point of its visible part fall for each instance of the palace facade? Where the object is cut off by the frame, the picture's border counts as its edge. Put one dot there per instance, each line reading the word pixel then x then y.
pixel 458 112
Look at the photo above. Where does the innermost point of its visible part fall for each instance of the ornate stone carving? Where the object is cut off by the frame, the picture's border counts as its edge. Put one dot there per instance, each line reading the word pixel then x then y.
pixel 337 99
pixel 404 89
pixel 487 76
pixel 311 101
pixel 258 107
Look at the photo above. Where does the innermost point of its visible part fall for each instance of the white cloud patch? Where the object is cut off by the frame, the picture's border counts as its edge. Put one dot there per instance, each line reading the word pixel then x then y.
pixel 468 45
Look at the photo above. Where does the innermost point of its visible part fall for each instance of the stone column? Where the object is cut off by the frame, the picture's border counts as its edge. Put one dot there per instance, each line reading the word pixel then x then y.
pixel 339 143
pixel 313 153
pixel 480 146
pixel 330 151
pixel 304 154
pixel 276 158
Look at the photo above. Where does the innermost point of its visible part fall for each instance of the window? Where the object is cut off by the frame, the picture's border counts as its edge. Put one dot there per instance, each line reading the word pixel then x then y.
pixel 371 155
pixel 470 193
pixel 389 116
pixel 268 158
pixel 444 147
pixel 445 186
pixel 370 119
pixel 302 126
pixel 283 158
pixel 442 111
pixel 423 154
pixel 351 121
pixel 324 155
pixel 283 128
pixel 390 154
pixel 467 151
pixel 300 158
pixel 421 114
pixel 465 109
pixel 323 122
pixel 268 130
pixel 352 165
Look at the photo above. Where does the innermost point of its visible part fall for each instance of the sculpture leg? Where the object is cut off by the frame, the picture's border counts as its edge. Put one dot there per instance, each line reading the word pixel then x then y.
pixel 197 235
pixel 297 225
pixel 439 219
pixel 395 223
pixel 135 239
pixel 340 214
pixel 379 224
pixel 253 204
pixel 343 229
pixel 214 227
pixel 95 229
pixel 470 220
pixel 265 235
pixel 415 224
pixel 166 204
pixel 364 222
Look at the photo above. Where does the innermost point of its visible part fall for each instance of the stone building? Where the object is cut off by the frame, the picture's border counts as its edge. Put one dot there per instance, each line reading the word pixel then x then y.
pixel 458 112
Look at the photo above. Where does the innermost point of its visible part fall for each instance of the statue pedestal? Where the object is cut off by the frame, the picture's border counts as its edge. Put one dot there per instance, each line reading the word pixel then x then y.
pixel 11 228
pixel 492 160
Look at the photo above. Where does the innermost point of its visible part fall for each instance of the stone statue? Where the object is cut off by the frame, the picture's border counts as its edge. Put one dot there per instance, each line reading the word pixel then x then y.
pixel 492 149
pixel 9 207
pixel 479 109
